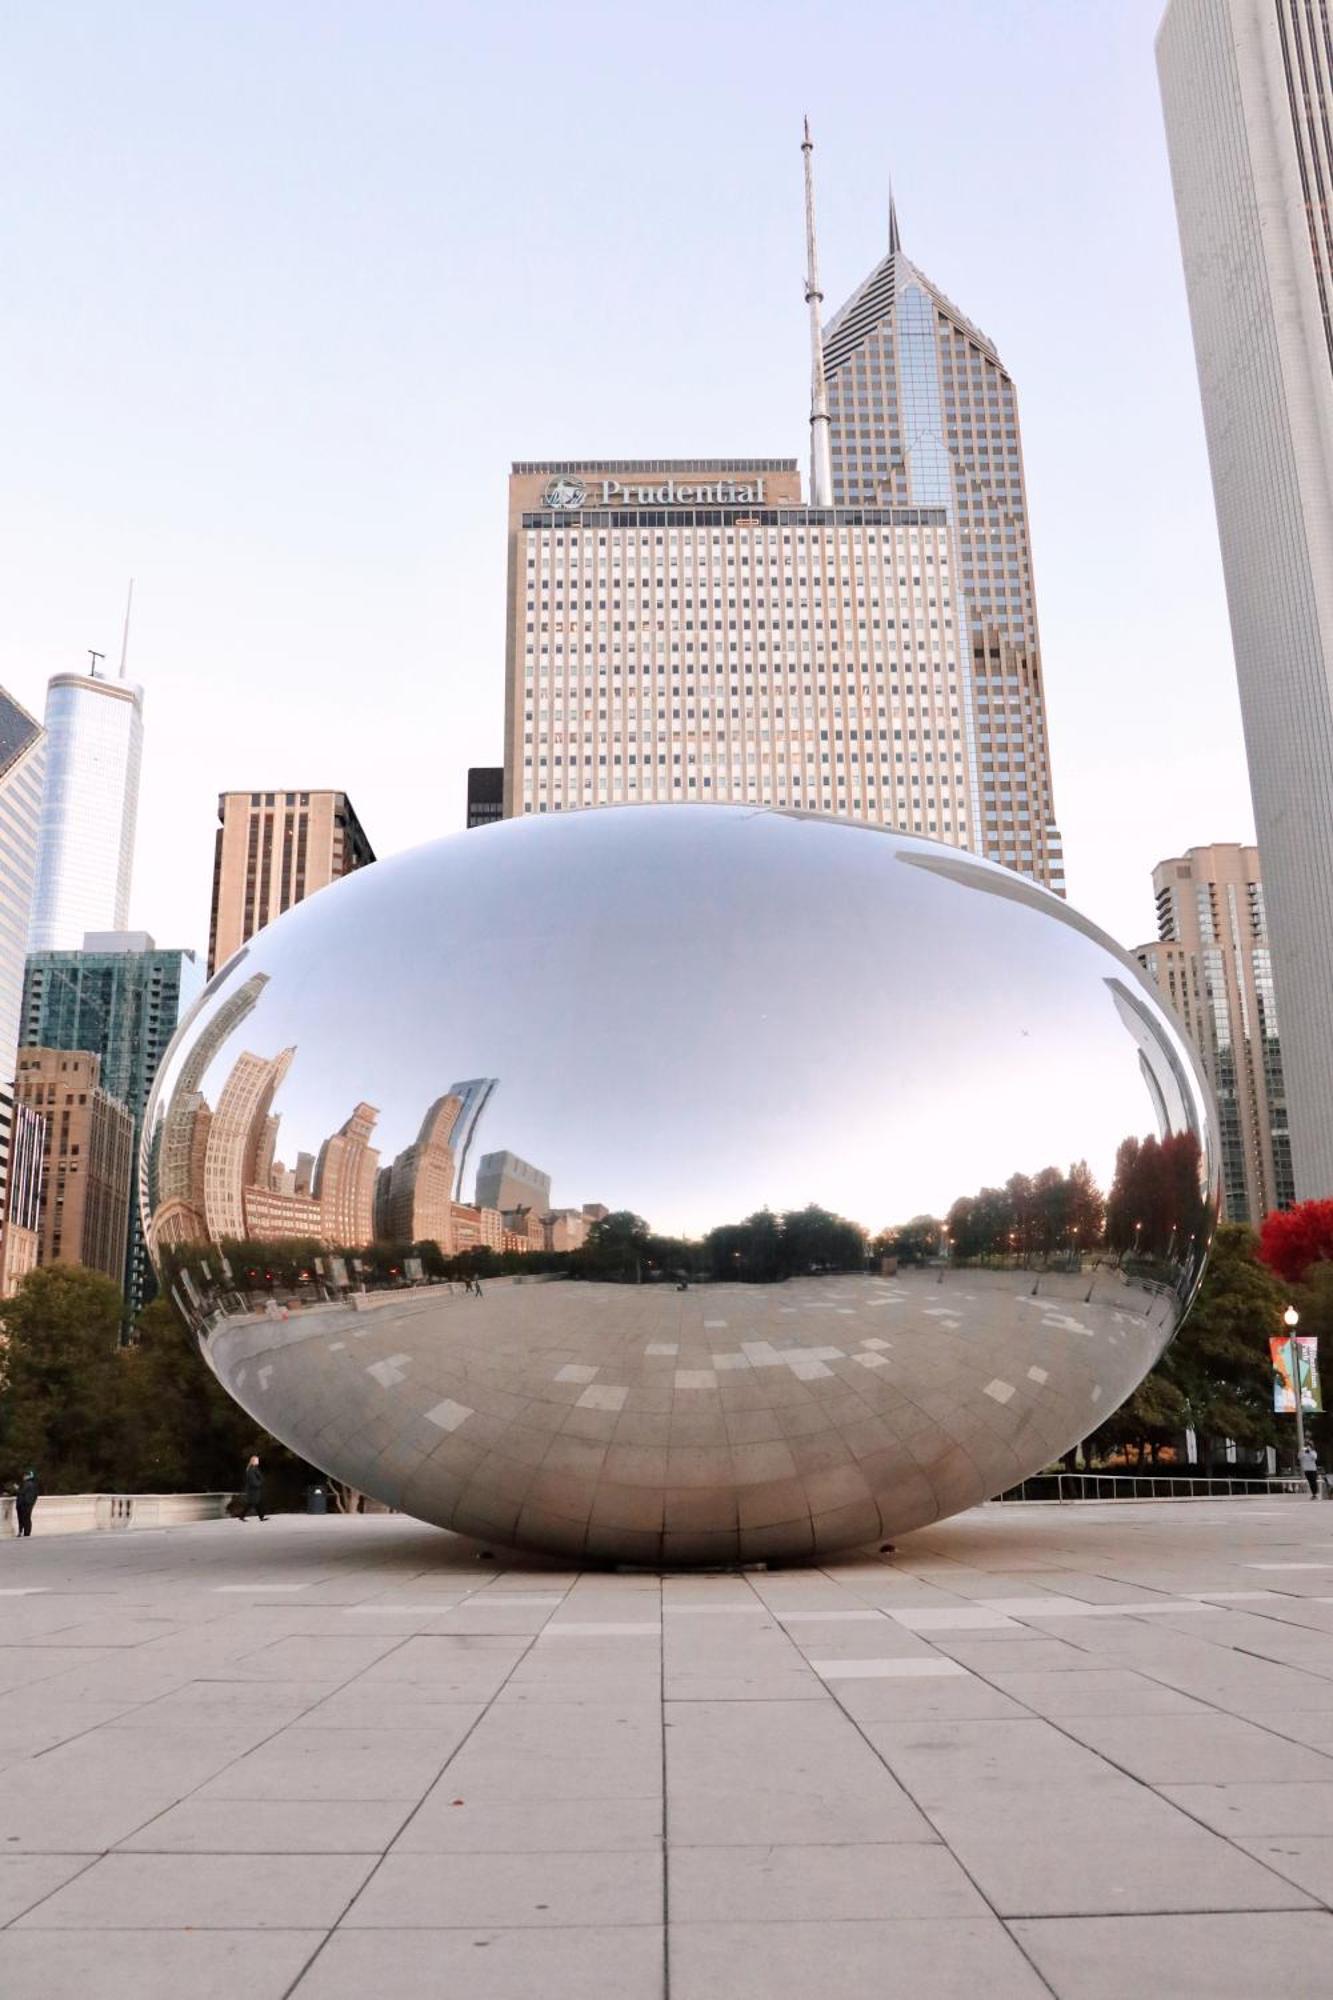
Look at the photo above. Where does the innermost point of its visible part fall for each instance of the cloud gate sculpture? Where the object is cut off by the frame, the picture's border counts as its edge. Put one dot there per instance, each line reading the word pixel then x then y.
pixel 680 1184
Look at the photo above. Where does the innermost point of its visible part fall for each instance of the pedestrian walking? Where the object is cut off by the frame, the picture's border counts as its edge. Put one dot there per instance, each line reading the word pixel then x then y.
pixel 254 1491
pixel 1308 1460
pixel 26 1499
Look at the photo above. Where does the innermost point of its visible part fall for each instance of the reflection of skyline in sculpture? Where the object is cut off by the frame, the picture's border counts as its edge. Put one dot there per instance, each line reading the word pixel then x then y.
pixel 215 1173
pixel 413 1196
pixel 474 1096
pixel 345 1180
pixel 1164 1074
pixel 508 1183
pixel 1030 1098
pixel 173 1176
pixel 236 1138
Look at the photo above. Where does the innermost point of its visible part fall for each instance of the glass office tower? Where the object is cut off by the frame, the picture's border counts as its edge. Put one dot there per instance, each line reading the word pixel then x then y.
pixel 923 412
pixel 120 998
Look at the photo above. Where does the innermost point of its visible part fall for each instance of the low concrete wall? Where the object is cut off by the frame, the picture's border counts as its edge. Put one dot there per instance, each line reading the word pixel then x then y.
pixel 83 1513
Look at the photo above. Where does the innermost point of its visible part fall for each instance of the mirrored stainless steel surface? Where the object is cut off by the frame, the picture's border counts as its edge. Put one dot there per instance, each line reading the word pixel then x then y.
pixel 661 1078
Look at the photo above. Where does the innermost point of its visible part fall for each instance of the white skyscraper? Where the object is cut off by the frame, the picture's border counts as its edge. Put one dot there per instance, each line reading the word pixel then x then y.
pixel 90 801
pixel 1248 98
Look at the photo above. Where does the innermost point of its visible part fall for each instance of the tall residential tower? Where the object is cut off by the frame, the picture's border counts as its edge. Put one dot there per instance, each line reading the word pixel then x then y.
pixel 1211 960
pixel 1248 97
pixel 90 805
pixel 275 849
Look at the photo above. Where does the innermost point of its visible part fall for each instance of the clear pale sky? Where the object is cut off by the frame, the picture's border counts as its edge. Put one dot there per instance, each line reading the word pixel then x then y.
pixel 287 288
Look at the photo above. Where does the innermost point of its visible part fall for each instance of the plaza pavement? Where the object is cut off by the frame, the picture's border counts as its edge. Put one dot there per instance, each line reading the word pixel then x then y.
pixel 1085 1751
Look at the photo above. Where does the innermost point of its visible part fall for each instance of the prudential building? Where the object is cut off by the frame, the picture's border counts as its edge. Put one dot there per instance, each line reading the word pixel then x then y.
pixel 695 630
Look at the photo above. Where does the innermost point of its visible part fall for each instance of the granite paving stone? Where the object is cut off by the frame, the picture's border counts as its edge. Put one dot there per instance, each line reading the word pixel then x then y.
pixel 340 1764
pixel 154 1965
pixel 818 1884
pixel 1229 1956
pixel 447 1823
pixel 614 1962
pixel 136 1892
pixel 926 1958
pixel 27 1879
pixel 546 1889
pixel 269 1826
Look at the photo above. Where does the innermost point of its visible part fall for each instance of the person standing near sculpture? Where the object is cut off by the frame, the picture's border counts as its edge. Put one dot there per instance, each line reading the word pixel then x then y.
pixel 254 1490
pixel 25 1499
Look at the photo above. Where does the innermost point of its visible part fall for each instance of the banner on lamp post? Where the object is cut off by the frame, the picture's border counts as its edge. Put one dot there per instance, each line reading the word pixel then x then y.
pixel 1301 1353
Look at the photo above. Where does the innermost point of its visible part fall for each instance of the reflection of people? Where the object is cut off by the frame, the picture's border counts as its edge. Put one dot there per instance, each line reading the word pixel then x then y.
pixel 1308 1460
pixel 26 1499
pixel 254 1491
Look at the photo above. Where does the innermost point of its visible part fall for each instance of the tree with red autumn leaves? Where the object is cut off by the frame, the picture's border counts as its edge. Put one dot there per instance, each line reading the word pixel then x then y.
pixel 1292 1239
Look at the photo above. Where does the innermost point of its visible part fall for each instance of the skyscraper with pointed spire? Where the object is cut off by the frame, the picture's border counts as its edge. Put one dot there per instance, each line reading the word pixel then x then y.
pixel 923 412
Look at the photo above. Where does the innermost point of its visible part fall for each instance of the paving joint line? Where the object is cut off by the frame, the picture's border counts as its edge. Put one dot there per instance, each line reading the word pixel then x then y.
pixel 438 1779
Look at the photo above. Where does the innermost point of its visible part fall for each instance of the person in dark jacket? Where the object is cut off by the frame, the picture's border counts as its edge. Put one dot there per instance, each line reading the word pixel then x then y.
pixel 254 1491
pixel 26 1499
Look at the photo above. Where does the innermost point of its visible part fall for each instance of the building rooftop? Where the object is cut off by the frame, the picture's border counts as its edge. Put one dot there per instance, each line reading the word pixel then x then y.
pixel 614 465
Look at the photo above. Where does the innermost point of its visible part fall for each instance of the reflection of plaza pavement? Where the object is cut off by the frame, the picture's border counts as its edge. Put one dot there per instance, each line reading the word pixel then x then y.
pixel 647 1423
pixel 1081 1751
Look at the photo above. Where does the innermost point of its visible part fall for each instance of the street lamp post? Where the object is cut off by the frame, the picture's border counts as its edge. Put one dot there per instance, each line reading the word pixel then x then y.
pixel 1291 1319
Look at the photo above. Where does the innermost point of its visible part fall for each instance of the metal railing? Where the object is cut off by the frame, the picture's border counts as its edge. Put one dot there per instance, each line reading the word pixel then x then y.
pixel 1058 1488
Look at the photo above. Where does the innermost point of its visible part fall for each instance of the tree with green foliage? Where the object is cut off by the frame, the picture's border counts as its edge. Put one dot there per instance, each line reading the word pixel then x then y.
pixel 182 1432
pixel 95 1416
pixel 62 1406
pixel 1216 1377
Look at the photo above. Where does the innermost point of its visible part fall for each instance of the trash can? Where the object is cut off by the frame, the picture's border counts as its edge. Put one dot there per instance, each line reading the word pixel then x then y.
pixel 317 1501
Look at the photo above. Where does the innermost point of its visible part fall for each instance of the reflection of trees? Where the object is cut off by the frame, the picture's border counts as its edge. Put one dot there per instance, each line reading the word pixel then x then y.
pixel 914 1242
pixel 1157 1203
pixel 1031 1215
pixel 763 1249
pixel 620 1248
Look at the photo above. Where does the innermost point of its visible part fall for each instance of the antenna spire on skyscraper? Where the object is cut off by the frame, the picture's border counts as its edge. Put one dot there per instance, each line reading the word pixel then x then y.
pixel 895 241
pixel 125 635
pixel 821 457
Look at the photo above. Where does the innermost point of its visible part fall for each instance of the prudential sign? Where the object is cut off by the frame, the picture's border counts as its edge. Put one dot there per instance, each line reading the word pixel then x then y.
pixel 566 493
